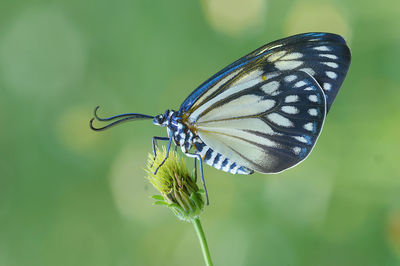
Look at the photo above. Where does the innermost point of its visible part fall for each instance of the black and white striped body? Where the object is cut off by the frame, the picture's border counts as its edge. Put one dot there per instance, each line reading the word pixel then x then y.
pixel 218 160
pixel 185 138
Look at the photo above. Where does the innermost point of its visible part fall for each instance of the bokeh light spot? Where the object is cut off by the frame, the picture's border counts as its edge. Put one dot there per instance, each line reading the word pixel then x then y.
pixel 128 186
pixel 313 16
pixel 41 53
pixel 235 17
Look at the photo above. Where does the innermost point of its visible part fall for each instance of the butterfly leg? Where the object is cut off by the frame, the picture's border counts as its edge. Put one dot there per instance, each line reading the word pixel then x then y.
pixel 154 145
pixel 198 157
pixel 166 157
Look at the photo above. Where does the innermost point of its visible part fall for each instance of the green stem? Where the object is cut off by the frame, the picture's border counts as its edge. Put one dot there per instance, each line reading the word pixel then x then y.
pixel 203 241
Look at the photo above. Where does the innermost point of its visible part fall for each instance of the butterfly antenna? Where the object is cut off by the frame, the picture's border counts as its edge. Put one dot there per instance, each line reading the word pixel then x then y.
pixel 123 118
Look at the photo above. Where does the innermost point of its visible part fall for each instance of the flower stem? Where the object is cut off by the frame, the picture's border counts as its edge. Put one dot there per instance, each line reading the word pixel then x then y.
pixel 203 241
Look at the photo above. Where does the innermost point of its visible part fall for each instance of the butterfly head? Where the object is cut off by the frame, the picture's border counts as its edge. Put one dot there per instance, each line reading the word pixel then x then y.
pixel 159 120
pixel 163 119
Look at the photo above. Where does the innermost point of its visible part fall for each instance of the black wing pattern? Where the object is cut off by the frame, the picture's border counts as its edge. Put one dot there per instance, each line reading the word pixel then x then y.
pixel 268 127
pixel 266 110
pixel 325 56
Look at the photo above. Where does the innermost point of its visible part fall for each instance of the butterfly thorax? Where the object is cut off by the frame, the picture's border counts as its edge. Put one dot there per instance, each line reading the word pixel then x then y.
pixel 181 134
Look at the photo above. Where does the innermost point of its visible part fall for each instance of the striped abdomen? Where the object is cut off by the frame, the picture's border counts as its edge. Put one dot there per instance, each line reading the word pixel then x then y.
pixel 218 160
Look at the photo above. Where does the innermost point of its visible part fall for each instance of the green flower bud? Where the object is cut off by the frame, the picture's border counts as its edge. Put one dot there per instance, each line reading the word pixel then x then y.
pixel 178 190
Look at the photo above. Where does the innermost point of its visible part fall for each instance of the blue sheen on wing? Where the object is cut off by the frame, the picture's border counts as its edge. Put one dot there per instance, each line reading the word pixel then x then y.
pixel 325 56
pixel 185 106
pixel 206 85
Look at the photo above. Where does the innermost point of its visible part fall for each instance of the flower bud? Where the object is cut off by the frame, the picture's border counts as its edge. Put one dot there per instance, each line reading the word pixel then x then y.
pixel 178 190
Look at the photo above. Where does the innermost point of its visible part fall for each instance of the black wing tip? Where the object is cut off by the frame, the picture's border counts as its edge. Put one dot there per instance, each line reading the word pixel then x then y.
pixel 328 36
pixel 335 38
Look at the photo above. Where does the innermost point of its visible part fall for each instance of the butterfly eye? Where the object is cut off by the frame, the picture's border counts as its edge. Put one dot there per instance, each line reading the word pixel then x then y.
pixel 158 120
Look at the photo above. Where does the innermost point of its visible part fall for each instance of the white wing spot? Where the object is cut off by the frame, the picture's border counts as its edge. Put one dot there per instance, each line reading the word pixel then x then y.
pixel 290 110
pixel 313 112
pixel 331 64
pixel 331 74
pixel 291 99
pixel 275 56
pixel 309 126
pixel 288 65
pixel 280 120
pixel 322 48
pixel 272 75
pixel 270 87
pixel 309 89
pixel 297 150
pixel 327 86
pixel 292 56
pixel 308 70
pixel 331 56
pixel 313 98
pixel 268 104
pixel 301 139
pixel 300 83
pixel 290 78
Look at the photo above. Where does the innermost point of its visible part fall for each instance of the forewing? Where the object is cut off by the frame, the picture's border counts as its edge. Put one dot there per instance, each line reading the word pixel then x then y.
pixel 267 125
pixel 325 56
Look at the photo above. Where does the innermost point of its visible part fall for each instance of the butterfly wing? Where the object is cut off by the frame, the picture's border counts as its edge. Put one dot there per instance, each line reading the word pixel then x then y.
pixel 325 56
pixel 266 110
pixel 268 127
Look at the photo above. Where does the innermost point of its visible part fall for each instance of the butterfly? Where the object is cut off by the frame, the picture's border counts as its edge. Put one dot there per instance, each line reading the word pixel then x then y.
pixel 263 113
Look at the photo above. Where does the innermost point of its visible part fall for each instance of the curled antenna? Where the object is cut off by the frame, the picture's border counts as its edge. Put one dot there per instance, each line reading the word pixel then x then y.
pixel 124 118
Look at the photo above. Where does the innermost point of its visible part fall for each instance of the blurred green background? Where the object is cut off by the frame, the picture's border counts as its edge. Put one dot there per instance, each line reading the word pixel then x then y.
pixel 71 196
